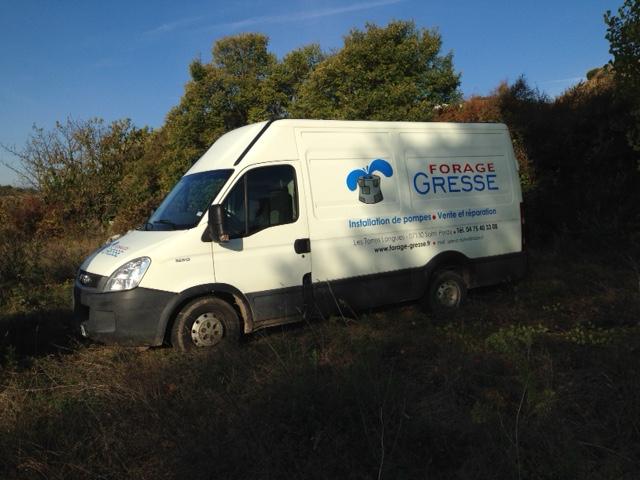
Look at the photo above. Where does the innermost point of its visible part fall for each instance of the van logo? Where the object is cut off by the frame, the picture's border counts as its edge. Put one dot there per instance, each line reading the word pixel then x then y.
pixel 369 183
pixel 115 249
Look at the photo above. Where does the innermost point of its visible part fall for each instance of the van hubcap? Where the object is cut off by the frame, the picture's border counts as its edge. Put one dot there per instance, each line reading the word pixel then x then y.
pixel 207 330
pixel 448 294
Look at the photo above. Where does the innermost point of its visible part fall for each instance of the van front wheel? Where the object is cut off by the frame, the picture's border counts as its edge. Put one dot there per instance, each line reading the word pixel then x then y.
pixel 447 291
pixel 205 323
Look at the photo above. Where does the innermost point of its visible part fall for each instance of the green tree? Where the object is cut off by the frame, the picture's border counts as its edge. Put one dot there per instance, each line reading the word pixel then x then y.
pixel 623 33
pixel 243 83
pixel 141 186
pixel 290 74
pixel 77 168
pixel 222 95
pixel 382 73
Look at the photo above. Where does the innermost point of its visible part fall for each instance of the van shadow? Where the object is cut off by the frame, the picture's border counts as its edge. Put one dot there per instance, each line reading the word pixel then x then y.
pixel 37 334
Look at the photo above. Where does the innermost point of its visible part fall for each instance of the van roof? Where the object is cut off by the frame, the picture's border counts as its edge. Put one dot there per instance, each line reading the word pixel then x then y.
pixel 229 150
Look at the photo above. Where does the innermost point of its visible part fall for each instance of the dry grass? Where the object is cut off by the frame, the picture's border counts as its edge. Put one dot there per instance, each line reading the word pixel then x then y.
pixel 537 380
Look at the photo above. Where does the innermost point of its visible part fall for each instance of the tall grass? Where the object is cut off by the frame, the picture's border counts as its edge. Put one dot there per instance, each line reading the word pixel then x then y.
pixel 537 380
pixel 36 280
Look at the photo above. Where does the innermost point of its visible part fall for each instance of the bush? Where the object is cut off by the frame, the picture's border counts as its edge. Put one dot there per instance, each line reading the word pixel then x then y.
pixel 576 166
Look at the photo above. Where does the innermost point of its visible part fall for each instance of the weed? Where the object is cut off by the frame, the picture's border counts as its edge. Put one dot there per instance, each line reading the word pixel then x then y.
pixel 506 389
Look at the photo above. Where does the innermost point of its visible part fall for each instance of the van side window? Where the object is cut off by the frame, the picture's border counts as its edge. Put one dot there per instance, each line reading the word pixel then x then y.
pixel 264 197
pixel 235 211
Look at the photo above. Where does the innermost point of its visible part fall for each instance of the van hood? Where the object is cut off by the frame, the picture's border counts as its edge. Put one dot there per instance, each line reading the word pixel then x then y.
pixel 106 259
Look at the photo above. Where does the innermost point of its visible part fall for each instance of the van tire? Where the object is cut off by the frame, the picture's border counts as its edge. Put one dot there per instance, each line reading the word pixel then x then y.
pixel 206 322
pixel 447 291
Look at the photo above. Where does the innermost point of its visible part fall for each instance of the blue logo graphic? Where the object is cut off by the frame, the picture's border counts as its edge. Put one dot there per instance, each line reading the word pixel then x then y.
pixel 369 183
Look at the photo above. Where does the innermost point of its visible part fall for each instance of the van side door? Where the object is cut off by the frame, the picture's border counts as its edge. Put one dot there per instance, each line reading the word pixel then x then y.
pixel 268 253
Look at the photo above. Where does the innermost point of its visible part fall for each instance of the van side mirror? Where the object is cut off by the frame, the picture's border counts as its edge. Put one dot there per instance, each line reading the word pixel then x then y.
pixel 217 224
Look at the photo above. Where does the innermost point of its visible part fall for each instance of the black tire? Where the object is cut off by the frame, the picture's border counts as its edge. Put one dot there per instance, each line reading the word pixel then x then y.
pixel 447 291
pixel 205 323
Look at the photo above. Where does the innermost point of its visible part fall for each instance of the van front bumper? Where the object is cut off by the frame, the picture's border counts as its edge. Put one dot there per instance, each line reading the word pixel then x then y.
pixel 131 317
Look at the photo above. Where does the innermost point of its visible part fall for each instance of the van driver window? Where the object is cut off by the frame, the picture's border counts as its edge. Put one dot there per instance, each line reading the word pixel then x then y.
pixel 264 197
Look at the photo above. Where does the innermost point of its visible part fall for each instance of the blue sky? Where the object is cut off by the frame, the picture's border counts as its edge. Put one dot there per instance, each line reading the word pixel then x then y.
pixel 115 59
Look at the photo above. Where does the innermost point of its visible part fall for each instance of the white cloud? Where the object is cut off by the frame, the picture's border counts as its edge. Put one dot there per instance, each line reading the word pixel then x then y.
pixel 171 26
pixel 564 80
pixel 266 19
pixel 304 15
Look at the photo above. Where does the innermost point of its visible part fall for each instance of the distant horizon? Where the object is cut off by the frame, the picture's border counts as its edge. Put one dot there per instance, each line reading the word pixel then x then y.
pixel 82 61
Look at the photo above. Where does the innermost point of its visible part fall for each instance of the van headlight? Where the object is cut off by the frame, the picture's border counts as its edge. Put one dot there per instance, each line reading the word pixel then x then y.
pixel 129 275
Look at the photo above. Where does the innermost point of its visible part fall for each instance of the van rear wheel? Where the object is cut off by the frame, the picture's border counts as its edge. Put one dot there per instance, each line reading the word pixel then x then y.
pixel 205 323
pixel 446 292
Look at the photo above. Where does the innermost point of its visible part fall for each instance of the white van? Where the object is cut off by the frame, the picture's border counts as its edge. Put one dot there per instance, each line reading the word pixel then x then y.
pixel 293 218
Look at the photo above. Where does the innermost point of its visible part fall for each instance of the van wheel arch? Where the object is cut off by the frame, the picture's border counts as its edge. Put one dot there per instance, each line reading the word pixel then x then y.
pixel 447 291
pixel 458 265
pixel 451 260
pixel 205 322
pixel 232 296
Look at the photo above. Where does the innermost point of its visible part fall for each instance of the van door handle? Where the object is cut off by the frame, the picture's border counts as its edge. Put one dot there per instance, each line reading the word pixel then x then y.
pixel 302 245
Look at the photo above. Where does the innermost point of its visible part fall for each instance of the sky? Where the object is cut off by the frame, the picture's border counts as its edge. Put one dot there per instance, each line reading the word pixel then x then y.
pixel 129 59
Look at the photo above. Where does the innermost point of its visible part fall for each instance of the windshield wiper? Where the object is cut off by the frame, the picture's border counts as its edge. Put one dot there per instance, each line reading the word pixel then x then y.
pixel 164 221
pixel 145 226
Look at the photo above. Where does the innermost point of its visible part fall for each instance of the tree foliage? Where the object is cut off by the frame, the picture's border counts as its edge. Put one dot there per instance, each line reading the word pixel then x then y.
pixel 576 167
pixel 382 73
pixel 623 33
pixel 77 168
pixel 221 95
pixel 290 75
pixel 393 72
pixel 243 83
pixel 575 163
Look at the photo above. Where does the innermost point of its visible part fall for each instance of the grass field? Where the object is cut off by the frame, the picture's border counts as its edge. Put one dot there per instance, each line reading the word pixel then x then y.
pixel 535 380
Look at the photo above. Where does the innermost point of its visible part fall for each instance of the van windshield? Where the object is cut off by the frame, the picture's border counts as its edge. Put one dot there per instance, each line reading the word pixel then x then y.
pixel 188 201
